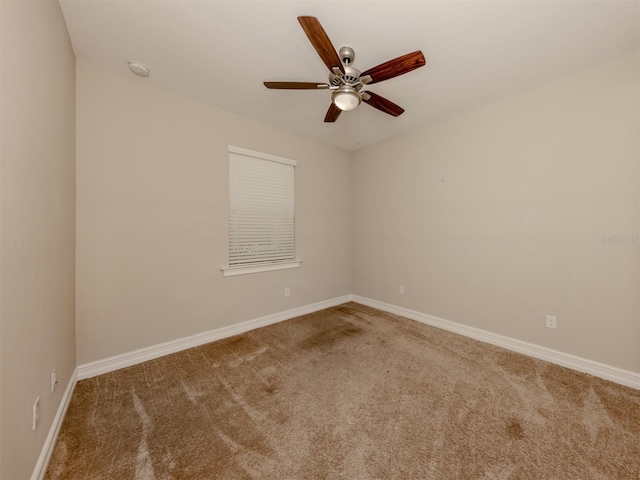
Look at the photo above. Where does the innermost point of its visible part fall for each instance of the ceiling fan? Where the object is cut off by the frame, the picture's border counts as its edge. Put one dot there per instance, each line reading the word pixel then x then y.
pixel 346 82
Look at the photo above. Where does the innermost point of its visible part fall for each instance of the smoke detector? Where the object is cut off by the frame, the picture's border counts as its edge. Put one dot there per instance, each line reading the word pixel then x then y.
pixel 139 68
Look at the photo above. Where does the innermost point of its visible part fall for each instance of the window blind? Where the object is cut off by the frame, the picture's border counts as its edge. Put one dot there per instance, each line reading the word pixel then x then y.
pixel 261 216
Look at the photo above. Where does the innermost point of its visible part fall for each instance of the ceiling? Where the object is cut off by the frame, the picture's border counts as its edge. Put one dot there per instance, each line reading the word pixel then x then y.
pixel 220 52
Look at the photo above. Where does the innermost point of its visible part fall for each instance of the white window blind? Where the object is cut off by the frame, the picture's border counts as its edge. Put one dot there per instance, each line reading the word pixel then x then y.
pixel 261 214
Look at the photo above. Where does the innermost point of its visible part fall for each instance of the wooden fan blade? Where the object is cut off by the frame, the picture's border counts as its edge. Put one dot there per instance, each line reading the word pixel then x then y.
pixel 395 67
pixel 382 104
pixel 320 41
pixel 296 85
pixel 332 114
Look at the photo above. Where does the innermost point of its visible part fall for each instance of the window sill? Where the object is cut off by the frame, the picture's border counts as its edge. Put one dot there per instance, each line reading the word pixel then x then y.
pixel 231 271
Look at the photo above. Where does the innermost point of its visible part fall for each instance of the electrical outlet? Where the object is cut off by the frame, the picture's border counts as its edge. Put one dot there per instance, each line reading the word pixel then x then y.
pixel 36 413
pixel 401 290
pixel 54 380
pixel 551 321
pixel 287 291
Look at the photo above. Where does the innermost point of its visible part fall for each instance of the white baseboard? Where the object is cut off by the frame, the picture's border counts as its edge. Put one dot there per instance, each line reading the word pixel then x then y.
pixel 608 372
pixel 50 442
pixel 111 364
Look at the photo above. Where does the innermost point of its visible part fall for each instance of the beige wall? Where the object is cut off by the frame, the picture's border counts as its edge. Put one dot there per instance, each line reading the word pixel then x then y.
pixel 495 217
pixel 492 218
pixel 37 222
pixel 152 217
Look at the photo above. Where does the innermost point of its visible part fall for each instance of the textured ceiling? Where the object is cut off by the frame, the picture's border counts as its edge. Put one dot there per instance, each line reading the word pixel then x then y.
pixel 220 52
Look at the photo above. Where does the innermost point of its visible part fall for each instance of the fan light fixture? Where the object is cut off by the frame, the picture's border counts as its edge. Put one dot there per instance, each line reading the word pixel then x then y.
pixel 346 98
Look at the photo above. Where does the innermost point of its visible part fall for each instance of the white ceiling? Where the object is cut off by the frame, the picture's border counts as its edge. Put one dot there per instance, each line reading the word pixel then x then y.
pixel 220 52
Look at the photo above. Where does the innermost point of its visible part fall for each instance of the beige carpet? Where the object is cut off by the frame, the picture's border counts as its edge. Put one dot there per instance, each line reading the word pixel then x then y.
pixel 349 393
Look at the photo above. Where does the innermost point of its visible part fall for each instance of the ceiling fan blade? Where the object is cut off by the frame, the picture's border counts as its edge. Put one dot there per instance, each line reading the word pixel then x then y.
pixel 332 114
pixel 395 67
pixel 296 85
pixel 320 41
pixel 382 104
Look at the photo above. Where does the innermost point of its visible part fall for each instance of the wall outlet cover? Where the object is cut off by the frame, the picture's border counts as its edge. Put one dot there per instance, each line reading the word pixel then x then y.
pixel 36 413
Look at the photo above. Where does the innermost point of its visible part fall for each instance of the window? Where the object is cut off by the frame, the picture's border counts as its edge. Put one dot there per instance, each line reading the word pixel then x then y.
pixel 261 212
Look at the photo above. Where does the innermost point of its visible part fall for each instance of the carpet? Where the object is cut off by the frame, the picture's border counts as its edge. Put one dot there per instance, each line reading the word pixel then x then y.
pixel 349 392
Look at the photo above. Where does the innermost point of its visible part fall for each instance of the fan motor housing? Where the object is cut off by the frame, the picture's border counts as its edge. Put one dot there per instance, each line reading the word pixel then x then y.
pixel 351 76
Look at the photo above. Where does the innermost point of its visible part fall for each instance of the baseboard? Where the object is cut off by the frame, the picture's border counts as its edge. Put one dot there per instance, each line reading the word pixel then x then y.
pixel 47 449
pixel 111 364
pixel 608 372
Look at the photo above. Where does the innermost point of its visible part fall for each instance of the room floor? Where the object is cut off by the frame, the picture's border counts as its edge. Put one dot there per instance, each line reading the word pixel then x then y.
pixel 349 392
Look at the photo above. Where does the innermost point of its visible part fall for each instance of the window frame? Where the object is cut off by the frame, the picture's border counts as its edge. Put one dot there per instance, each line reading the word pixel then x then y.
pixel 231 270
